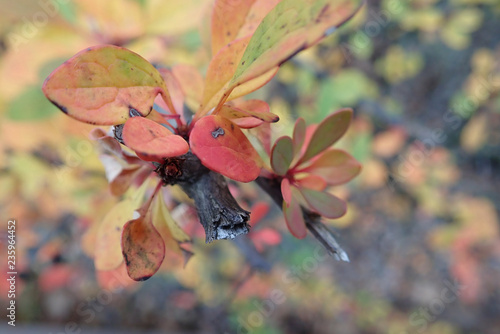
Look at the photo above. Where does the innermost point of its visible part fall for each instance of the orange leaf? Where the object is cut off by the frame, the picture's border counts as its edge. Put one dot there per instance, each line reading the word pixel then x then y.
pixel 234 19
pixel 292 26
pixel 143 248
pixel 152 141
pixel 100 85
pixel 248 114
pixel 220 71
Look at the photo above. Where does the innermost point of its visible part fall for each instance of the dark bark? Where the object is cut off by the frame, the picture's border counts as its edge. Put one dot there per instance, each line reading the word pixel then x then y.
pixel 219 213
pixel 313 221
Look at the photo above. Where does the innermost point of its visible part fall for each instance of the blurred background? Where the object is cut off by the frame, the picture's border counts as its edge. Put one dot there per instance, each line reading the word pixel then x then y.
pixel 422 229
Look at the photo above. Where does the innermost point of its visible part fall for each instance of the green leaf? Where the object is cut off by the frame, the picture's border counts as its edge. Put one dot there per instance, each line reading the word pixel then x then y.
pixel 292 26
pixel 327 133
pixel 324 203
pixel 282 155
pixel 31 105
pixel 101 84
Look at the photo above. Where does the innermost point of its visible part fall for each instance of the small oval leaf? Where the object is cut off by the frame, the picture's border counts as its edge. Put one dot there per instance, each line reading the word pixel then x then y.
pixel 99 85
pixel 282 155
pixel 142 247
pixel 223 147
pixel 335 167
pixel 294 219
pixel 286 191
pixel 324 203
pixel 151 140
pixel 299 135
pixel 328 132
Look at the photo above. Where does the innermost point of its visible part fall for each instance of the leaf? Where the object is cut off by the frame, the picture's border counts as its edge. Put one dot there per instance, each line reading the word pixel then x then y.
pixel 248 114
pixel 335 167
pixel 191 82
pixel 290 27
pixel 324 203
pixel 122 182
pixel 221 69
pixel 111 146
pixel 222 147
pixel 299 135
pixel 282 155
pixel 294 219
pixel 312 182
pixel 151 140
pixel 100 85
pixel 286 191
pixel 143 248
pixel 174 89
pixel 327 133
pixel 108 254
pixel 225 30
pixel 245 16
pixel 164 222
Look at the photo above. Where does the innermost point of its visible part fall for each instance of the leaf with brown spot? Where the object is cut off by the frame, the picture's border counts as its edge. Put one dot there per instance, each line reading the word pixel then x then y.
pixel 224 148
pixel 100 84
pixel 152 141
pixel 142 247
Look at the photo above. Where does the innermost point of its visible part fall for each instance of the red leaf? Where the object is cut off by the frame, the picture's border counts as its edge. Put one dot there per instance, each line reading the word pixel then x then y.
pixel 151 141
pixel 222 147
pixel 324 203
pixel 294 219
pixel 143 248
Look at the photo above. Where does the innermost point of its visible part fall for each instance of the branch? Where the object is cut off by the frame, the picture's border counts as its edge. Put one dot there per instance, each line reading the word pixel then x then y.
pixel 313 221
pixel 219 213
